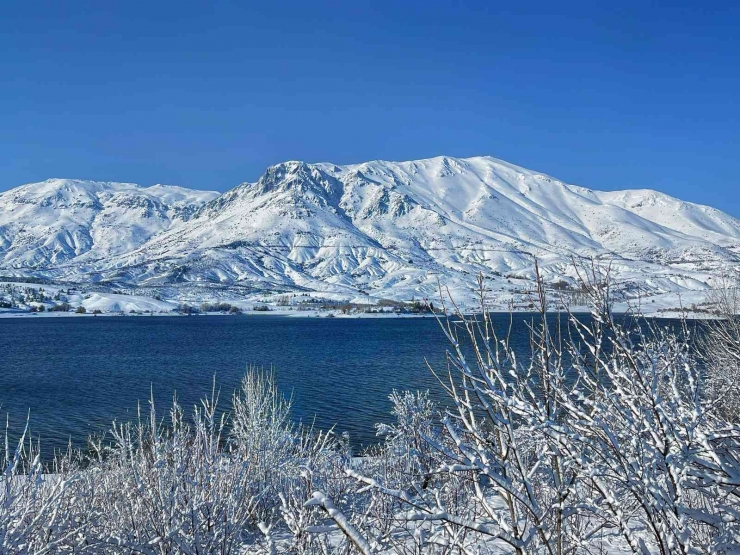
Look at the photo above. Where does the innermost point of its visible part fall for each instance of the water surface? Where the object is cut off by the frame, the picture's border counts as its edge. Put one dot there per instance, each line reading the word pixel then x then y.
pixel 76 375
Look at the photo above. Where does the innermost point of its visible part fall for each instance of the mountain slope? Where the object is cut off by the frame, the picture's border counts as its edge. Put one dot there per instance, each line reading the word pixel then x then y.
pixel 387 229
pixel 48 224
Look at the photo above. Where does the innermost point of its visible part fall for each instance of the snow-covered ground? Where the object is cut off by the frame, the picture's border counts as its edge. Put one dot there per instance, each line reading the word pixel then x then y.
pixel 666 305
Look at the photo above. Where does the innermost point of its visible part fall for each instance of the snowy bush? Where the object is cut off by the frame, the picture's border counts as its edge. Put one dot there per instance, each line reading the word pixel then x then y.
pixel 40 513
pixel 720 348
pixel 615 447
pixel 184 487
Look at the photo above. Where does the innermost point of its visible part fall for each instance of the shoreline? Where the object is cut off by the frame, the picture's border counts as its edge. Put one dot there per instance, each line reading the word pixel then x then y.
pixel 663 306
pixel 10 315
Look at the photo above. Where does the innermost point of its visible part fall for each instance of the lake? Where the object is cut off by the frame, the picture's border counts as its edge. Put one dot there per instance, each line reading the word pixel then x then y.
pixel 76 375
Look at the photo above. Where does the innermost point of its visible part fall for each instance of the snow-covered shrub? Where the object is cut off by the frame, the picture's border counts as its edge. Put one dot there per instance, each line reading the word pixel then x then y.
pixel 287 462
pixel 602 437
pixel 406 441
pixel 206 484
pixel 198 488
pixel 174 488
pixel 403 480
pixel 719 347
pixel 40 513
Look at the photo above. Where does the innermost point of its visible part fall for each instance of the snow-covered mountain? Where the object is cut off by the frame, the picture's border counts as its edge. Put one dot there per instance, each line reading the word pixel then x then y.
pixel 383 229
pixel 59 221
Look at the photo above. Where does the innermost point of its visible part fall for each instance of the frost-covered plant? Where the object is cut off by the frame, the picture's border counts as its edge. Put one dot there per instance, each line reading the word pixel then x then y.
pixel 407 440
pixel 288 463
pixel 719 347
pixel 174 488
pixel 200 488
pixel 208 484
pixel 40 513
pixel 646 442
pixel 407 458
pixel 602 435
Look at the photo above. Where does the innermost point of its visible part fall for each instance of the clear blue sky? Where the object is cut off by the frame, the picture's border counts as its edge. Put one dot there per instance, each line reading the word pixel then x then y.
pixel 602 94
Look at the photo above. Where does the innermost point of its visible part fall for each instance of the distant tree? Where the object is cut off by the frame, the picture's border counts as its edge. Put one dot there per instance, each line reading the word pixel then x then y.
pixel 560 285
pixel 80 310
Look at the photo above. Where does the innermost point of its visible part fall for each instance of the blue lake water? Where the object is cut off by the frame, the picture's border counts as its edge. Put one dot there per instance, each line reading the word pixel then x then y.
pixel 76 375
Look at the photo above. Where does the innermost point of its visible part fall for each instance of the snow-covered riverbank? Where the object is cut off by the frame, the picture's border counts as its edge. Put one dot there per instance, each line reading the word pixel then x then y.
pixel 45 301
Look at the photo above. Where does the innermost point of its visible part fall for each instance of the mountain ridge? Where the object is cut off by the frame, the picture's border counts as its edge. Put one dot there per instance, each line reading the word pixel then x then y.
pixel 376 229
